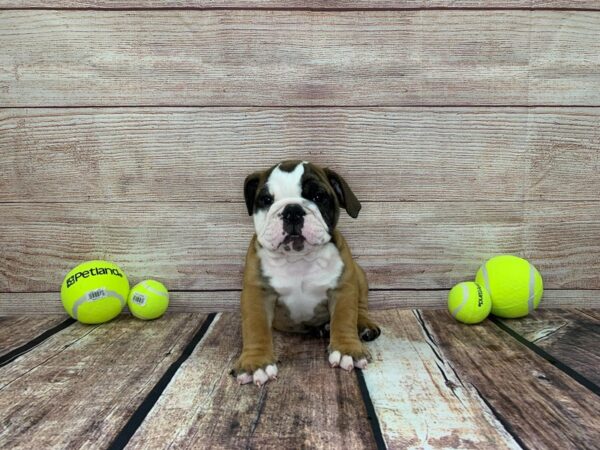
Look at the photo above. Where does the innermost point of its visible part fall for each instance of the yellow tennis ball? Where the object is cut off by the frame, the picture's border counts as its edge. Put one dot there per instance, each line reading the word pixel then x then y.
pixel 469 302
pixel 148 300
pixel 515 285
pixel 94 291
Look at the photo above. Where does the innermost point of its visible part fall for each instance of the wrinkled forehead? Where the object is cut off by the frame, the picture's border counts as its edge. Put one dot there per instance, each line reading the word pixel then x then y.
pixel 290 179
pixel 285 183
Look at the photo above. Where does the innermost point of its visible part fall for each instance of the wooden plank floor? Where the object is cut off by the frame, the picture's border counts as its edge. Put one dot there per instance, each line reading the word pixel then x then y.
pixel 572 337
pixel 540 404
pixel 17 332
pixel 433 383
pixel 204 407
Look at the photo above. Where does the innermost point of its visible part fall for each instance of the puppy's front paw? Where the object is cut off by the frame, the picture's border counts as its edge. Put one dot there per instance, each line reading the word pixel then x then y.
pixel 348 355
pixel 346 362
pixel 260 376
pixel 255 369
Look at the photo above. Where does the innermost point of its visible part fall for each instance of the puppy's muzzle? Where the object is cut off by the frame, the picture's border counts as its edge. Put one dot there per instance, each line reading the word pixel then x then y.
pixel 293 219
pixel 293 224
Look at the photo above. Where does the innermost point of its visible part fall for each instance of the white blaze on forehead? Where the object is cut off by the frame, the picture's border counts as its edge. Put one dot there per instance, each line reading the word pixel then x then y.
pixel 286 184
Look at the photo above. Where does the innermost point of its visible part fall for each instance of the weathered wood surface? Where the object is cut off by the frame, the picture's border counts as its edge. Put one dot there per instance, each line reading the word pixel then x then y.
pixel 196 246
pixel 570 336
pixel 202 154
pixel 19 330
pixel 76 389
pixel 540 404
pixel 419 400
pixel 233 58
pixel 303 4
pixel 19 303
pixel 593 313
pixel 310 406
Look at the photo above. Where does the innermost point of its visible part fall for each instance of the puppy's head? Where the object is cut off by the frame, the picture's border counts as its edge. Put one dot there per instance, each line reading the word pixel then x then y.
pixel 296 205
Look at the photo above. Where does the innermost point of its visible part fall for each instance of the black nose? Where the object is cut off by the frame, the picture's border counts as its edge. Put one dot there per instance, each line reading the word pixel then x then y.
pixel 293 217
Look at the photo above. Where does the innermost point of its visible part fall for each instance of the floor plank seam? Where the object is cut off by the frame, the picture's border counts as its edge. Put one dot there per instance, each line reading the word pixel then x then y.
pixel 260 408
pixel 593 387
pixel 136 419
pixel 305 106
pixel 586 312
pixel 437 352
pixel 428 336
pixel 449 383
pixel 507 426
pixel 317 9
pixel 371 413
pixel 25 348
pixel 550 333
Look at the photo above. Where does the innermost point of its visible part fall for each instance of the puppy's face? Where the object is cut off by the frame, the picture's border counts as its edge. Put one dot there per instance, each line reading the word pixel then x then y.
pixel 295 205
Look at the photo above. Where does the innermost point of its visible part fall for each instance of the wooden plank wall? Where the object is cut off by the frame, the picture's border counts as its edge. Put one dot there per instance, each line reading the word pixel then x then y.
pixel 466 128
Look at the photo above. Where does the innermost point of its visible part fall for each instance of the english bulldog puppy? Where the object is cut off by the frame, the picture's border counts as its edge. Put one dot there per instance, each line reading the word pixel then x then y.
pixel 299 274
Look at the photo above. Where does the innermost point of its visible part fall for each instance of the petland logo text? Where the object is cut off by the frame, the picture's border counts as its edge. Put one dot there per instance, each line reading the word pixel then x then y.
pixel 92 273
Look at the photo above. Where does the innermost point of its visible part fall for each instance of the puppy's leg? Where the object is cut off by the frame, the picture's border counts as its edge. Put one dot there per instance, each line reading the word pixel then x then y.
pixel 367 329
pixel 345 348
pixel 257 361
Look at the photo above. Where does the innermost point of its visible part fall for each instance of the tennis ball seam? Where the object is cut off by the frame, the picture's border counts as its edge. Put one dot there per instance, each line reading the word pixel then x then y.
pixel 85 299
pixel 486 279
pixel 530 306
pixel 146 286
pixel 456 310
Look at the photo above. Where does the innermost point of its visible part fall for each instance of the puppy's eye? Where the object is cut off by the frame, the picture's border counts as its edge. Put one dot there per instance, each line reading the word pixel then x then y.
pixel 319 197
pixel 265 200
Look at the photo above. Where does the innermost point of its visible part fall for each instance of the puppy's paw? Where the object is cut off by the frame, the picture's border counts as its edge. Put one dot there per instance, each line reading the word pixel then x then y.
pixel 348 354
pixel 346 362
pixel 257 369
pixel 368 330
pixel 260 376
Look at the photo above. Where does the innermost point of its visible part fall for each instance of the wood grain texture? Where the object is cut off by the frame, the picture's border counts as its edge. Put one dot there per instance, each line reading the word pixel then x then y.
pixel 419 401
pixel 386 154
pixel 570 336
pixel 537 401
pixel 256 58
pixel 593 313
pixel 16 331
pixel 36 303
pixel 18 303
pixel 309 406
pixel 193 246
pixel 306 4
pixel 78 388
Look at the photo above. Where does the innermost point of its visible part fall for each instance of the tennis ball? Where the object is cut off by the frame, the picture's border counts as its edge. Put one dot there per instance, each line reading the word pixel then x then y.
pixel 469 302
pixel 148 300
pixel 515 285
pixel 94 291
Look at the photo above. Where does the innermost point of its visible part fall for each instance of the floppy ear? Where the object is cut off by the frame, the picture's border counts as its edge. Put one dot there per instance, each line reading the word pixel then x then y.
pixel 346 197
pixel 250 187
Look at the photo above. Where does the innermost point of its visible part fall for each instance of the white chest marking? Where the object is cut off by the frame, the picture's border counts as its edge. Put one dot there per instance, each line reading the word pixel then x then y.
pixel 302 281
